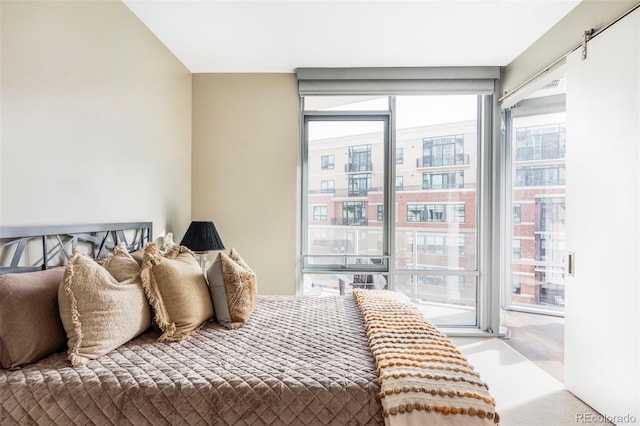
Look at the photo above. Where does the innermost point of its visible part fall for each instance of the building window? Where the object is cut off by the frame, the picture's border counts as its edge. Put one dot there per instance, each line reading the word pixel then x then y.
pixel 354 213
pixel 540 175
pixel 399 183
pixel 451 213
pixel 328 186
pixel 551 214
pixel 516 285
pixel 319 212
pixel 517 214
pixel 399 155
pixel 416 212
pixel 540 142
pixel 380 213
pixel 443 151
pixel 458 212
pixel 327 162
pixel 515 249
pixel 443 180
pixel 359 159
pixel 359 184
pixel 461 246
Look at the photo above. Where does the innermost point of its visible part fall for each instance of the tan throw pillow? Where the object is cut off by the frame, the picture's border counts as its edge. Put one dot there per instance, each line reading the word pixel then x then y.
pixel 233 287
pixel 177 290
pixel 30 326
pixel 101 307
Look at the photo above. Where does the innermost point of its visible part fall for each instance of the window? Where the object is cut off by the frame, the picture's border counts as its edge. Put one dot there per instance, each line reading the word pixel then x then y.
pixel 515 249
pixel 540 142
pixel 354 213
pixel 359 159
pixel 516 286
pixel 452 213
pixel 461 246
pixel 443 180
pixel 443 151
pixel 517 214
pixel 537 199
pixel 359 184
pixel 458 211
pixel 319 212
pixel 416 212
pixel 328 186
pixel 540 175
pixel 445 241
pixel 327 162
pixel 550 214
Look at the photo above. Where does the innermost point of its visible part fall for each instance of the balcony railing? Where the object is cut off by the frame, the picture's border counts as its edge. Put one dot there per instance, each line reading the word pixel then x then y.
pixel 344 192
pixel 364 166
pixel 429 161
pixel 349 221
pixel 358 192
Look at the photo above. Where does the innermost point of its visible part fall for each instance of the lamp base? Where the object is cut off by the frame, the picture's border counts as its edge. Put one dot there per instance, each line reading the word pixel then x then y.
pixel 203 260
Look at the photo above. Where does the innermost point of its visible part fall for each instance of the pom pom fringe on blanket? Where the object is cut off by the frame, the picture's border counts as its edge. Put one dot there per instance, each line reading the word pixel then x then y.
pixel 424 378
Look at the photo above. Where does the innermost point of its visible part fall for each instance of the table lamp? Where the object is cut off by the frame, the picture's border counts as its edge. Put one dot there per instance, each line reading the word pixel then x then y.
pixel 201 238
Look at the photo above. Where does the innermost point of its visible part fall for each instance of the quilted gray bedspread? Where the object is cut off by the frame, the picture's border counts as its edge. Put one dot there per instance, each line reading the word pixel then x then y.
pixel 299 361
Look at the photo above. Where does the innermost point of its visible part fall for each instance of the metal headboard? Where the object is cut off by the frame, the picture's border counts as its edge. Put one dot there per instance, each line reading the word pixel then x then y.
pixel 52 245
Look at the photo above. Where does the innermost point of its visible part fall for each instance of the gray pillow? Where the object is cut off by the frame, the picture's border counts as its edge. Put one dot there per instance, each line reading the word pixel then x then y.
pixel 30 325
pixel 233 288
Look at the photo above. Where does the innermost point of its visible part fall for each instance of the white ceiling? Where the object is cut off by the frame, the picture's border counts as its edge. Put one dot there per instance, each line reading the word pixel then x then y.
pixel 279 36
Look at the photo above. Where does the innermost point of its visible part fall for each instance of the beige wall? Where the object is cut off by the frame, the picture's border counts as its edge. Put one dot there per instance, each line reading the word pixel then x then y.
pixel 96 118
pixel 245 169
pixel 564 36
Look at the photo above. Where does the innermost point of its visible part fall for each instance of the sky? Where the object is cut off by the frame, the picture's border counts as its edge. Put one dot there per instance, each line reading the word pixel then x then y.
pixel 412 111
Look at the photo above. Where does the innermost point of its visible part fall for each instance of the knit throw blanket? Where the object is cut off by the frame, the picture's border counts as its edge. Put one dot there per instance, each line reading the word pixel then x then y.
pixel 424 378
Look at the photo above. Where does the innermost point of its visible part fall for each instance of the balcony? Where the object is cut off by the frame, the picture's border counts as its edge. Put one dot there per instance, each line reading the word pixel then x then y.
pixel 349 221
pixel 344 192
pixel 430 161
pixel 355 167
pixel 358 192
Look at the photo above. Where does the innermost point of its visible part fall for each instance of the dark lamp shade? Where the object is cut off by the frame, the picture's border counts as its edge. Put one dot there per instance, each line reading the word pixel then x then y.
pixel 202 236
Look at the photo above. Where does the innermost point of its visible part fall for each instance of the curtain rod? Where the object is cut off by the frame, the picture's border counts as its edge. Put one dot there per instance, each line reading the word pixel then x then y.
pixel 564 56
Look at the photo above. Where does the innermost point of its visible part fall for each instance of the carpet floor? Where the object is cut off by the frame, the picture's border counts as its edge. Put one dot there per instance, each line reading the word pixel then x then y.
pixel 526 395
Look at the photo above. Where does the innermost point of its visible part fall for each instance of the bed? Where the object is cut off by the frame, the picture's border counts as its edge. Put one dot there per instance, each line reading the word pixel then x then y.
pixel 365 358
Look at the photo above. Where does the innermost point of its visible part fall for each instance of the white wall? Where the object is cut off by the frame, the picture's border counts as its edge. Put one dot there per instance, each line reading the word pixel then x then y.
pixel 245 169
pixel 565 35
pixel 602 323
pixel 96 118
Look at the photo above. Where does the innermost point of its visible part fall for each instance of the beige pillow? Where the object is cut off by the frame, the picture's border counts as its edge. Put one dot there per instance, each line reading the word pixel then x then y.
pixel 30 326
pixel 177 290
pixel 101 307
pixel 233 287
